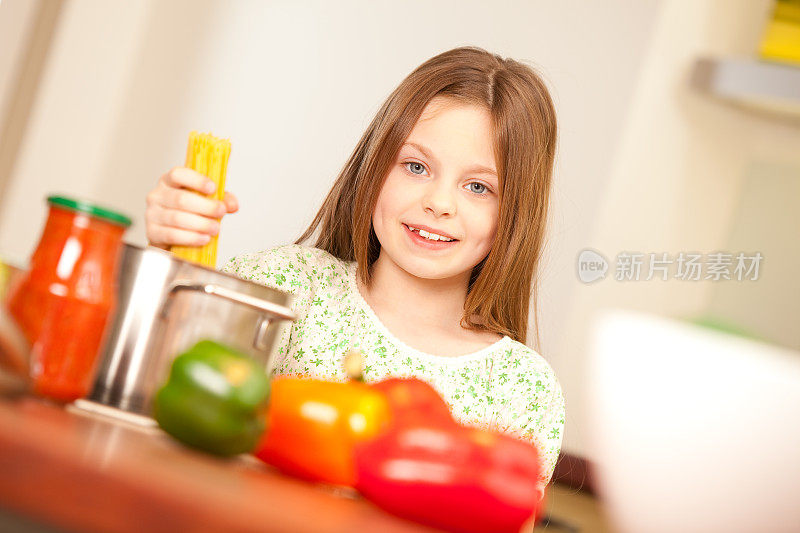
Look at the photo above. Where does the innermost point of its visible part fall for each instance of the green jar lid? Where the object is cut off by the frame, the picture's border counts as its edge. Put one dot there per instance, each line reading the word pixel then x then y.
pixel 90 209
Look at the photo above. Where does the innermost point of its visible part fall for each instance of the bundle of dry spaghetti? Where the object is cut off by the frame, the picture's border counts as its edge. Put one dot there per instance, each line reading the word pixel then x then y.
pixel 207 155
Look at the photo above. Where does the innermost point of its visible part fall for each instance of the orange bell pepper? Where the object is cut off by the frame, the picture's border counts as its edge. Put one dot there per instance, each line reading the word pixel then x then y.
pixel 313 425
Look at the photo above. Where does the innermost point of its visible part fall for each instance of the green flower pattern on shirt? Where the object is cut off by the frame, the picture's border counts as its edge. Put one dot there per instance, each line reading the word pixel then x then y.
pixel 507 386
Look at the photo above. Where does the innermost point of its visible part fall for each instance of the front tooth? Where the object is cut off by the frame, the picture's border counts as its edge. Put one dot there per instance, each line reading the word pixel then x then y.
pixel 435 237
pixel 424 233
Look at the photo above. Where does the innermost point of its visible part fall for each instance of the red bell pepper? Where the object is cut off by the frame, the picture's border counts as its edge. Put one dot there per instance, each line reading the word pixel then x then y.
pixel 452 477
pixel 412 401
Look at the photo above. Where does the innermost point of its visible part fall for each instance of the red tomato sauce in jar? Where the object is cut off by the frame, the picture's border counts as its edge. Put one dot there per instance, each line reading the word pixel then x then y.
pixel 66 299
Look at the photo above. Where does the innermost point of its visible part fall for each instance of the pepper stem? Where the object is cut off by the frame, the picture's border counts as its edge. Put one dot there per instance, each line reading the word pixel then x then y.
pixel 354 364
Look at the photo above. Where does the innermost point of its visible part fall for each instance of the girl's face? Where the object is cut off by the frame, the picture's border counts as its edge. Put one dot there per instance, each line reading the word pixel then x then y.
pixel 442 186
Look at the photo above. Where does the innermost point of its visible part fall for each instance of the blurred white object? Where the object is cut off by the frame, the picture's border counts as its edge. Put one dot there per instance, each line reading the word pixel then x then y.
pixel 693 430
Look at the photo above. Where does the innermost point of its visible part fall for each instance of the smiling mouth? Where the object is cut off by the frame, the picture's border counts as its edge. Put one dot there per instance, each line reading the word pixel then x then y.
pixel 430 236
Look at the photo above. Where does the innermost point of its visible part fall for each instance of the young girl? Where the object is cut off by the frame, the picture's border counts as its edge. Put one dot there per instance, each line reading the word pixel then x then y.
pixel 426 247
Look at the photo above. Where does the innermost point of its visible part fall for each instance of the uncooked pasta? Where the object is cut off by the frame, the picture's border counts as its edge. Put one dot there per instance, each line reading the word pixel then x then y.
pixel 207 155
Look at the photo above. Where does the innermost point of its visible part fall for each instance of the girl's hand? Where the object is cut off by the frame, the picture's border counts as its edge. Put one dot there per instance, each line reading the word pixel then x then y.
pixel 175 215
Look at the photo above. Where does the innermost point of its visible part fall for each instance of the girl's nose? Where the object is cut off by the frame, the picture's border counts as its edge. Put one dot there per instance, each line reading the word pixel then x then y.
pixel 439 200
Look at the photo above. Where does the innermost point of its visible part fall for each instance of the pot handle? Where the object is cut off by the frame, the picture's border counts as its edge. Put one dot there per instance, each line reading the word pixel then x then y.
pixel 258 304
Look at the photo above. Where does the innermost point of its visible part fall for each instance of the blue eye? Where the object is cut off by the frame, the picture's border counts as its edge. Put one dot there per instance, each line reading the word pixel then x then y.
pixel 478 187
pixel 415 168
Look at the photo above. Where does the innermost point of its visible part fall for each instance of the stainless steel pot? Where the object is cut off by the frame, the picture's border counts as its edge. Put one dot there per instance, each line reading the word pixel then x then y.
pixel 164 306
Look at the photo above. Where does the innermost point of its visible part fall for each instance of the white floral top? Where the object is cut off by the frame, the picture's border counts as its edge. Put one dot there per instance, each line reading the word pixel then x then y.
pixel 505 386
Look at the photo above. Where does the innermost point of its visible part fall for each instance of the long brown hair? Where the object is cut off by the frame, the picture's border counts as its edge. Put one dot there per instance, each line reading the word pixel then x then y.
pixel 524 124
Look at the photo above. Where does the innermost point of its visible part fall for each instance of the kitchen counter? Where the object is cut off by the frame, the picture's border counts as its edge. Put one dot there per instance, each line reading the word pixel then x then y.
pixel 80 471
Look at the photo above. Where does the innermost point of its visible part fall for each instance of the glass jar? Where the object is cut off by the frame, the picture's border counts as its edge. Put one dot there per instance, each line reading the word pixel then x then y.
pixel 63 303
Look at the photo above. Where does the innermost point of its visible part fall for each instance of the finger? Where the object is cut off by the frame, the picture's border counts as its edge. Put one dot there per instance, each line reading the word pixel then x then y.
pixel 174 218
pixel 184 200
pixel 231 202
pixel 162 235
pixel 189 179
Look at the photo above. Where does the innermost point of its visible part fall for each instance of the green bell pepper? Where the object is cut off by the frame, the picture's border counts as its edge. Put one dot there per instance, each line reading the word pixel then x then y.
pixel 214 399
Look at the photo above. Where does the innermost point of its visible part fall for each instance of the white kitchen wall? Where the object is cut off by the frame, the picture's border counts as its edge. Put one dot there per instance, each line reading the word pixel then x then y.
pixel 767 220
pixel 68 135
pixel 16 23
